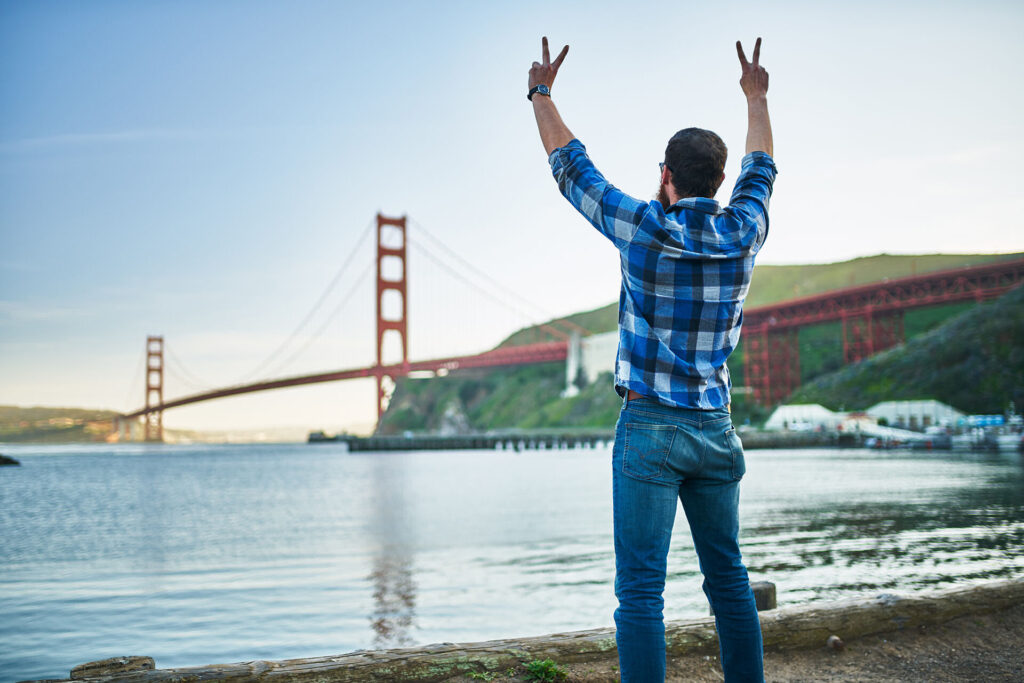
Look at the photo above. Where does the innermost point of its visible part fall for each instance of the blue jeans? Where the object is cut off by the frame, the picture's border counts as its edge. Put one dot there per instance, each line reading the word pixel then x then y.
pixel 661 454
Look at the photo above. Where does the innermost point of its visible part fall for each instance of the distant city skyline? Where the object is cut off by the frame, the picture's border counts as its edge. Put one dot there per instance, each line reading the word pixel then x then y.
pixel 202 170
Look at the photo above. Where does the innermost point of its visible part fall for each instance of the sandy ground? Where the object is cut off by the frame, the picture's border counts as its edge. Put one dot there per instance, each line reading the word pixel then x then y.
pixel 987 648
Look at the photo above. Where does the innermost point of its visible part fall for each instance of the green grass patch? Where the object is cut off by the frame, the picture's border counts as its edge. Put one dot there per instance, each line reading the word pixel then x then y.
pixel 545 671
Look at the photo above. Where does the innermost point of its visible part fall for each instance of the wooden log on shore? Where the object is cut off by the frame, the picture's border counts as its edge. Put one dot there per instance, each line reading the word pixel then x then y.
pixel 799 626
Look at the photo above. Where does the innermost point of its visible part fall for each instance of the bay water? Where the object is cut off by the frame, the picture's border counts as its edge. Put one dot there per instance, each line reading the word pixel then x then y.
pixel 205 554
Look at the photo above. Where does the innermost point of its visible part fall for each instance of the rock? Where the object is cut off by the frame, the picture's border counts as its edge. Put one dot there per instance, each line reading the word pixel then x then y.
pixel 112 667
pixel 764 596
pixel 4 460
pixel 835 642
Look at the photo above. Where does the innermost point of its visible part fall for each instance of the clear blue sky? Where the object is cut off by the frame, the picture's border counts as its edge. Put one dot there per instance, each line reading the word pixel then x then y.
pixel 201 170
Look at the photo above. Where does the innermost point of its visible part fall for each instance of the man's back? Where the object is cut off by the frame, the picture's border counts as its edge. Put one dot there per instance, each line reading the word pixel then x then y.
pixel 685 275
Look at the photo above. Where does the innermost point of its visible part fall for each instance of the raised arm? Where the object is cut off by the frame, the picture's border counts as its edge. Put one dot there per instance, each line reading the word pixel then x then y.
pixel 553 132
pixel 754 81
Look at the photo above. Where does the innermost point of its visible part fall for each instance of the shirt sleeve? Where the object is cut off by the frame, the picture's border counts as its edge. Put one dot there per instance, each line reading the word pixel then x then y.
pixel 614 213
pixel 749 202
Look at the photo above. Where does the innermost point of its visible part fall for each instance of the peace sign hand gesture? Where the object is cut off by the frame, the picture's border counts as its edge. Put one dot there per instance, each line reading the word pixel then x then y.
pixel 754 79
pixel 544 74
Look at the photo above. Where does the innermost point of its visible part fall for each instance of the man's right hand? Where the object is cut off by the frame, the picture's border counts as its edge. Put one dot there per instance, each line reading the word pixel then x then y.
pixel 754 79
pixel 544 74
pixel 754 82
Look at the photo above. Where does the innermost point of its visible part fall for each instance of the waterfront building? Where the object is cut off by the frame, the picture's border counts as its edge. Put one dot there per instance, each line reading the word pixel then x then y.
pixel 918 415
pixel 804 417
pixel 589 357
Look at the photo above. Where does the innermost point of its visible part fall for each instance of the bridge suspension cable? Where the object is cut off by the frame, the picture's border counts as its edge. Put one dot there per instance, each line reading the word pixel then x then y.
pixel 178 370
pixel 504 289
pixel 133 388
pixel 532 320
pixel 338 309
pixel 266 362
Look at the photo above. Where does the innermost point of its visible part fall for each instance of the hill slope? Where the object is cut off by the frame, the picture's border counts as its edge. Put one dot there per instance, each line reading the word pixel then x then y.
pixel 529 397
pixel 53 425
pixel 524 397
pixel 973 362
pixel 779 283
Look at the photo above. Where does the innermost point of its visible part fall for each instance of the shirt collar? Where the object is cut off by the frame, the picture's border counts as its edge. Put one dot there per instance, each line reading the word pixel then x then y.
pixel 702 204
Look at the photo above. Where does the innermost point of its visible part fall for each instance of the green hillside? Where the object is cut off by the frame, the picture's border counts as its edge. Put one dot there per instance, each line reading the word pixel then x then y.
pixel 974 362
pixel 53 425
pixel 529 397
pixel 779 283
pixel 772 284
pixel 523 397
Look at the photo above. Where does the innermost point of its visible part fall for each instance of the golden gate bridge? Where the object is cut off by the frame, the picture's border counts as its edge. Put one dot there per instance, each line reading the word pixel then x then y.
pixel 871 316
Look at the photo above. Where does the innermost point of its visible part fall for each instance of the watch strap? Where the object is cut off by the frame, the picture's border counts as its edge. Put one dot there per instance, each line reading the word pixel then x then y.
pixel 538 90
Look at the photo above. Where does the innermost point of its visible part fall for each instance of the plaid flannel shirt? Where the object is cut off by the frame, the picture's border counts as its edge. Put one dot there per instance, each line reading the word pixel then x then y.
pixel 685 275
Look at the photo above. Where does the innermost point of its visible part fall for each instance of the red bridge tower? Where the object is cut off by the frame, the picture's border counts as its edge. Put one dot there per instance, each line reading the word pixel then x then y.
pixel 392 249
pixel 154 420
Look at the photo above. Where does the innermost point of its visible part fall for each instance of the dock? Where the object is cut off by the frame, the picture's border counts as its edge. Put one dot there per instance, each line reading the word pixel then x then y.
pixel 564 439
pixel 509 441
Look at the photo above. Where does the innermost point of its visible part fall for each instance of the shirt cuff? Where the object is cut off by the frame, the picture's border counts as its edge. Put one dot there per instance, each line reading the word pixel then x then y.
pixel 558 152
pixel 758 159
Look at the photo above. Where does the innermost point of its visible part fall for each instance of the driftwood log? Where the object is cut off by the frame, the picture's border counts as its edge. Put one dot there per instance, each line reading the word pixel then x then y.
pixel 799 626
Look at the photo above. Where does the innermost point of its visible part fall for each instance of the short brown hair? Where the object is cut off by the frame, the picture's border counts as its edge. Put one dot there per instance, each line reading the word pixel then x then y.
pixel 696 158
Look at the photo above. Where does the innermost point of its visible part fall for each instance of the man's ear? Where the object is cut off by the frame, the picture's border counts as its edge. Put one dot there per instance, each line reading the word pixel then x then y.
pixel 666 176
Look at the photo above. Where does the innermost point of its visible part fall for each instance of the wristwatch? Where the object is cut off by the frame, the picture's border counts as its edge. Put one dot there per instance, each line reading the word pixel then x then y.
pixel 538 90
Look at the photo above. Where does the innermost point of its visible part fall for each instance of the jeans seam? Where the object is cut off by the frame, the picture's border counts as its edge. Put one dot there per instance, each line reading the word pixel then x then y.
pixel 704 450
pixel 731 432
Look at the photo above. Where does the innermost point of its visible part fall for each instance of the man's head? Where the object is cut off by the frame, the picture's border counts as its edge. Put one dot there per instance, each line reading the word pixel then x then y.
pixel 694 165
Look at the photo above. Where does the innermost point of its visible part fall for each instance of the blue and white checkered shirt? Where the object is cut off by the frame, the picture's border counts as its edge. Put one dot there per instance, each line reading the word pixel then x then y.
pixel 685 275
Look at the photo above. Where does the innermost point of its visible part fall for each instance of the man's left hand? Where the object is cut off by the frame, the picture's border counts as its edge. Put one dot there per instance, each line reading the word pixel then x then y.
pixel 544 73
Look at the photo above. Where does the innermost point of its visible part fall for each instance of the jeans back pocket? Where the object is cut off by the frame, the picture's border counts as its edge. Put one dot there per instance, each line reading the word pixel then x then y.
pixel 646 451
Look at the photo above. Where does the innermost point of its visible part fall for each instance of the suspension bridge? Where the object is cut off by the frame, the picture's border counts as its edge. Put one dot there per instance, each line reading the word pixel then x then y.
pixel 391 278
pixel 871 316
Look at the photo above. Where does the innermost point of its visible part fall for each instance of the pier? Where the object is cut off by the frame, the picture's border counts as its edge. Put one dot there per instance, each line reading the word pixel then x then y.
pixel 591 438
pixel 509 441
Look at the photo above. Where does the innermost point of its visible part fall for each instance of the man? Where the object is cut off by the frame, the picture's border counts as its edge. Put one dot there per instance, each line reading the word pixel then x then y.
pixel 686 266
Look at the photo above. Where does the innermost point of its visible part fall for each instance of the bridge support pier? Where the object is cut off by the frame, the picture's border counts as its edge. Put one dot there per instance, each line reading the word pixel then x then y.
pixel 771 364
pixel 867 334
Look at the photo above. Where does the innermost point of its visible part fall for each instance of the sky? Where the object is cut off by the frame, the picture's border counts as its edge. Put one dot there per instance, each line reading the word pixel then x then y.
pixel 205 170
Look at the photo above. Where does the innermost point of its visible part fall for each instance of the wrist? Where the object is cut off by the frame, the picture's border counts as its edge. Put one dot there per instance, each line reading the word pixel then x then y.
pixel 541 89
pixel 757 100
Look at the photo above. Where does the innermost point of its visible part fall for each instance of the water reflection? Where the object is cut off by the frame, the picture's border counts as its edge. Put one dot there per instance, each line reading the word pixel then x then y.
pixel 394 589
pixel 898 523
pixel 212 553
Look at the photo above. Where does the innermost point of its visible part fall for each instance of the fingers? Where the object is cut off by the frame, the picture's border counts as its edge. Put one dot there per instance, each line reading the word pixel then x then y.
pixel 757 51
pixel 743 57
pixel 561 56
pixel 544 46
